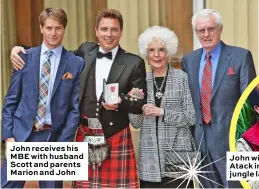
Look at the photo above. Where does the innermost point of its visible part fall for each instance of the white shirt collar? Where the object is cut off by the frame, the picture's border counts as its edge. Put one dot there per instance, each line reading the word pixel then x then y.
pixel 114 51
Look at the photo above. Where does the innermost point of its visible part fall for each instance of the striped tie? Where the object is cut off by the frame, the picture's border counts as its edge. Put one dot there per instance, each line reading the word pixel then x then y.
pixel 43 91
pixel 206 90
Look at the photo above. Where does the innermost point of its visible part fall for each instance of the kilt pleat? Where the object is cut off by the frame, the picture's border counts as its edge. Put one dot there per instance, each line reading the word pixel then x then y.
pixel 119 170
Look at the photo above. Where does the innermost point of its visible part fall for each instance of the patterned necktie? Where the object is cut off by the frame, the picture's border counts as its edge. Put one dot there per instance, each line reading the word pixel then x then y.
pixel 206 90
pixel 43 91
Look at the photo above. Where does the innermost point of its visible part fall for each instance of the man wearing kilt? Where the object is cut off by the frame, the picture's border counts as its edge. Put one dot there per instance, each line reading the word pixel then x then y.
pixel 112 162
pixel 104 126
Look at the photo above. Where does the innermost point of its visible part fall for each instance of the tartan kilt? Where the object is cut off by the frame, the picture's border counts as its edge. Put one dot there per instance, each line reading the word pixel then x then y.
pixel 119 170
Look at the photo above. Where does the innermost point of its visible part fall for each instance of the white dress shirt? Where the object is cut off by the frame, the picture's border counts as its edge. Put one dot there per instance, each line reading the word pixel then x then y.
pixel 54 60
pixel 102 70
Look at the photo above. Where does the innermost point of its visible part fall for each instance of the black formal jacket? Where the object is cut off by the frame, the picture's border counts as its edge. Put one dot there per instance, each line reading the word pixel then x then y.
pixel 128 70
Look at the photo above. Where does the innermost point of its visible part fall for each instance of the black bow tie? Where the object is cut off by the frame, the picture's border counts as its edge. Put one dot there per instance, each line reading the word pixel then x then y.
pixel 107 55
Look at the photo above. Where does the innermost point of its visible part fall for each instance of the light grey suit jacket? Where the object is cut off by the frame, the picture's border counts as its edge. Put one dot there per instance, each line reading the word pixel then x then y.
pixel 173 129
pixel 227 89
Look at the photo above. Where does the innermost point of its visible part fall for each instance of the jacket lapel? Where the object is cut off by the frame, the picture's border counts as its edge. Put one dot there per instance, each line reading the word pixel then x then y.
pixel 195 77
pixel 222 66
pixel 118 66
pixel 61 69
pixel 90 59
pixel 169 81
pixel 35 61
pixel 150 88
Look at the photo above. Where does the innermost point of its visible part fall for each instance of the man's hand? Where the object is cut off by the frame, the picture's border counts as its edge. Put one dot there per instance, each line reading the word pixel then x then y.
pixel 152 110
pixel 16 59
pixel 111 106
pixel 8 140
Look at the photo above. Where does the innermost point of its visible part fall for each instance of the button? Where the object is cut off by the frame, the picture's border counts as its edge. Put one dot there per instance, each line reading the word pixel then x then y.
pixel 97 104
pixel 131 99
pixel 97 109
pixel 126 98
pixel 96 114
pixel 135 99
pixel 111 123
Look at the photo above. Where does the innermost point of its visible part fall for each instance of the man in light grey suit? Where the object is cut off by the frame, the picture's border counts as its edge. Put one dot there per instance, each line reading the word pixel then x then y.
pixel 218 74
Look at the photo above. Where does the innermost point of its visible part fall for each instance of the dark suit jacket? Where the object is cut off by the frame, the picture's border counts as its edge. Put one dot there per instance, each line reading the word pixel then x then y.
pixel 227 89
pixel 21 101
pixel 129 71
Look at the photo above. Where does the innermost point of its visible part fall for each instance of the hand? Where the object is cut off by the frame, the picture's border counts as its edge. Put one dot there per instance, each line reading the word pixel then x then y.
pixel 152 110
pixel 136 93
pixel 111 106
pixel 16 59
pixel 8 140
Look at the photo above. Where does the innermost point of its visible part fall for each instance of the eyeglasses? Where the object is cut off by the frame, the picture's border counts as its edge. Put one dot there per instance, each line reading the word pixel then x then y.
pixel 209 30
pixel 152 51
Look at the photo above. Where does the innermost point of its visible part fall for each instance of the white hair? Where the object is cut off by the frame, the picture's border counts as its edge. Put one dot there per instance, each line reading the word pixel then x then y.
pixel 206 13
pixel 164 34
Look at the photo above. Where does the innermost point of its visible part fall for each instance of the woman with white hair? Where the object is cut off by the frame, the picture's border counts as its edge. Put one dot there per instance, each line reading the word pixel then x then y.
pixel 167 117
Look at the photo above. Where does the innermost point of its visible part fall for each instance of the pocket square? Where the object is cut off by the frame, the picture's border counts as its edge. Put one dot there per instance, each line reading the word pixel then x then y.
pixel 67 75
pixel 231 71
